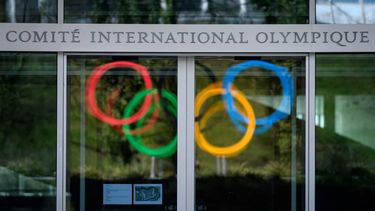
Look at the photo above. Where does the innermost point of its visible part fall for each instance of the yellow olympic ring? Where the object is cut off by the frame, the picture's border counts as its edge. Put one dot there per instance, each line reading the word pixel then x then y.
pixel 201 141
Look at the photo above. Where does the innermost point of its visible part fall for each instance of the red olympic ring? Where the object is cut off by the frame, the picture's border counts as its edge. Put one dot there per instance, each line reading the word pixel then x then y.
pixel 110 103
pixel 93 80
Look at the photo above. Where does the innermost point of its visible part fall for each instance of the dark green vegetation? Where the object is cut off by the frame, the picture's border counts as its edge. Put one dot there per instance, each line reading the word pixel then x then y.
pixel 28 11
pixel 187 11
pixel 28 127
pixel 28 113
pixel 158 11
pixel 345 153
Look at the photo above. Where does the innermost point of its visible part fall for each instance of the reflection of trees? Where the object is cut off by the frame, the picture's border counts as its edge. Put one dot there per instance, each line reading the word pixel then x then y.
pixel 99 12
pixel 184 11
pixel 130 11
pixel 28 114
pixel 2 11
pixel 340 159
pixel 108 153
pixel 158 11
pixel 28 11
pixel 283 11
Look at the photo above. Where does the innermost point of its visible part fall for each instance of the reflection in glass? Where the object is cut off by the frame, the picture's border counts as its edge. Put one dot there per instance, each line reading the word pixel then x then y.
pixel 345 146
pixel 268 172
pixel 28 11
pixel 106 157
pixel 28 131
pixel 186 11
pixel 345 11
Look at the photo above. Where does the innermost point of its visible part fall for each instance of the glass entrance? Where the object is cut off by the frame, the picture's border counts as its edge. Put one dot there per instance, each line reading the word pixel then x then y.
pixel 249 133
pixel 121 133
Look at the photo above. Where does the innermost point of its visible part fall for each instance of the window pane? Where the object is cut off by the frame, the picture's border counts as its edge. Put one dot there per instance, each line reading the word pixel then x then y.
pixel 186 11
pixel 28 131
pixel 28 11
pixel 345 11
pixel 115 165
pixel 345 147
pixel 238 168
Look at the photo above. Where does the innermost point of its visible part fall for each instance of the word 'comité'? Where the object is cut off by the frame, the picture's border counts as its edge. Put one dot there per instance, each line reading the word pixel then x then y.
pixel 341 38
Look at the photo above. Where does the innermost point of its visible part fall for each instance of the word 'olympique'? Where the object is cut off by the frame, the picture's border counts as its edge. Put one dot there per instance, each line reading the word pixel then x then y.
pixel 337 37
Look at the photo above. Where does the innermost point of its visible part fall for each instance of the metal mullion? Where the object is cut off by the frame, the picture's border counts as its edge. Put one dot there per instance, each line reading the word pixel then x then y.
pixel 61 121
pixel 190 173
pixel 186 144
pixel 310 121
pixel 293 148
pixel 310 134
pixel 312 11
pixel 82 142
pixel 61 133
pixel 181 135
pixel 60 11
pixel 185 54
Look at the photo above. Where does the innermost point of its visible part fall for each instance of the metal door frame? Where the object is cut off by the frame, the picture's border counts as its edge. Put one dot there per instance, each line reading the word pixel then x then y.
pixel 185 124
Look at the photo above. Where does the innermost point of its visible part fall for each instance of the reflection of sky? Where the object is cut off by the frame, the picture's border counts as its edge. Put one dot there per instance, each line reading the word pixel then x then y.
pixel 346 11
pixel 12 11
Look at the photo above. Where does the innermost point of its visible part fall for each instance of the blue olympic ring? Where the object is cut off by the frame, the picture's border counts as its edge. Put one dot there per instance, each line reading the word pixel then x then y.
pixel 285 105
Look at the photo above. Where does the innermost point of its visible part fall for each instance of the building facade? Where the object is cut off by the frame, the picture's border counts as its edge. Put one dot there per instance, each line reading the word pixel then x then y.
pixel 187 105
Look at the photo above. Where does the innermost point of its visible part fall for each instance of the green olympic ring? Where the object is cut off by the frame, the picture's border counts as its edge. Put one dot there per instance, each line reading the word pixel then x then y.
pixel 136 141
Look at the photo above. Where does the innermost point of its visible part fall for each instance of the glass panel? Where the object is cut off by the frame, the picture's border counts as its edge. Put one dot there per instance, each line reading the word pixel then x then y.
pixel 345 11
pixel 122 133
pixel 28 11
pixel 28 131
pixel 345 147
pixel 186 11
pixel 246 166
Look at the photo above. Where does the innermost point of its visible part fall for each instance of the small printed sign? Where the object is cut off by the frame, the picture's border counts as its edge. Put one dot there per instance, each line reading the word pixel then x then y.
pixel 117 194
pixel 149 194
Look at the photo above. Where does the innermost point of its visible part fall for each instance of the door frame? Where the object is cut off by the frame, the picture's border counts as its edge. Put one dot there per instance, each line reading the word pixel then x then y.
pixel 185 125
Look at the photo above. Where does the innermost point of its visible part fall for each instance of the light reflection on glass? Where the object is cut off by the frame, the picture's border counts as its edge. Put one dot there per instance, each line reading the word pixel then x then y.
pixel 345 147
pixel 345 11
pixel 31 11
pixel 28 131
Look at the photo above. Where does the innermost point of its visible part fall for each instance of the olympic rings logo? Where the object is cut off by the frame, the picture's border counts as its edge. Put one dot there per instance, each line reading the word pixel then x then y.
pixel 151 105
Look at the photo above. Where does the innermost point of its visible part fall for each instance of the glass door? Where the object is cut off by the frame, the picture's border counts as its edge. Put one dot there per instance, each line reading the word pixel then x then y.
pixel 249 132
pixel 121 132
pixel 241 133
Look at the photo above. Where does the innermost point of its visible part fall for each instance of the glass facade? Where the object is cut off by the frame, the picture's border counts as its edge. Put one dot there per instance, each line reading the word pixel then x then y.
pixel 98 131
pixel 187 11
pixel 28 131
pixel 240 166
pixel 345 150
pixel 105 156
pixel 28 11
pixel 345 11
